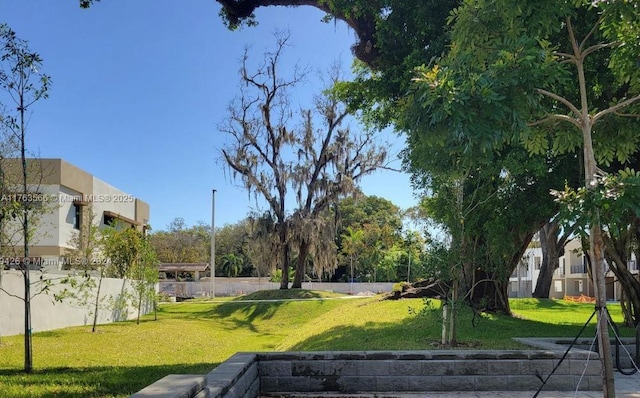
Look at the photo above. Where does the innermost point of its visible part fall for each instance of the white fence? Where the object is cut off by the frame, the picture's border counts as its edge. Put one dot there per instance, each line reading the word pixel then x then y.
pixel 240 286
pixel 46 314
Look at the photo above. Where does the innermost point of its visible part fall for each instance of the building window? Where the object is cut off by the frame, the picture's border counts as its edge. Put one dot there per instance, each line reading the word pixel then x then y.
pixel 536 262
pixel 557 285
pixel 109 220
pixel 77 216
pixel 579 286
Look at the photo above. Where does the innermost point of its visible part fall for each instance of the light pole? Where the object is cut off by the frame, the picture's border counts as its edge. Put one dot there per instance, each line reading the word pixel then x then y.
pixel 213 243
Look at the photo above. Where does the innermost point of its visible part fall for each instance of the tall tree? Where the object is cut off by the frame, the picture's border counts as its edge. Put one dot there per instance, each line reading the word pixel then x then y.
pixel 259 134
pixel 23 83
pixel 319 164
pixel 331 162
pixel 522 65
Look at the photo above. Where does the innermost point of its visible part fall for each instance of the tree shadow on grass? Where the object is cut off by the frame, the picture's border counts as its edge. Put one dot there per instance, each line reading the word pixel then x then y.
pixel 90 382
pixel 237 313
pixel 262 305
pixel 229 315
pixel 543 304
pixel 423 333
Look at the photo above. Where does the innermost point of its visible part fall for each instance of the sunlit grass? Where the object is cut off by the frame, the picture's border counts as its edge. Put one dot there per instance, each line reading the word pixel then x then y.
pixel 193 337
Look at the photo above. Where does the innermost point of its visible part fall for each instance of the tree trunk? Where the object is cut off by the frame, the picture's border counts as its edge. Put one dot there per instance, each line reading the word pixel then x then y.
pixel 630 300
pixel 28 355
pixel 284 282
pixel 139 308
pixel 97 305
pixel 445 305
pixel 489 293
pixel 453 333
pixel 490 290
pixel 604 344
pixel 303 252
pixel 617 257
pixel 550 259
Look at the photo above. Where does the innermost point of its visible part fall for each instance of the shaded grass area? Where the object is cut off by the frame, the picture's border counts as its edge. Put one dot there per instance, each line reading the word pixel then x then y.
pixel 391 326
pixel 193 337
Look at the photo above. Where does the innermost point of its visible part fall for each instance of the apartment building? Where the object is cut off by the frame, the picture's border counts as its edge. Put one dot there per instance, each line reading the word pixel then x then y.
pixel 570 279
pixel 66 198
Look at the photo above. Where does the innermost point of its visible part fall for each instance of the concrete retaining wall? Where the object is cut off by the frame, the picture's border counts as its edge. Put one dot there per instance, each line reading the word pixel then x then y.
pixel 239 286
pixel 46 314
pixel 249 374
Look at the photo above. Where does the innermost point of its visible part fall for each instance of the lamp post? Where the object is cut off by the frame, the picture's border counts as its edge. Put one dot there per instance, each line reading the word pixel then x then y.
pixel 213 244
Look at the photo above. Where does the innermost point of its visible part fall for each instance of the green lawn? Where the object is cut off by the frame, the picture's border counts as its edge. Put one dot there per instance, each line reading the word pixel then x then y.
pixel 193 337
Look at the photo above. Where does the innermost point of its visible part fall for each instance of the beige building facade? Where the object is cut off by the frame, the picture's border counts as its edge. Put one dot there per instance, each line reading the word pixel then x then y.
pixel 66 199
pixel 571 278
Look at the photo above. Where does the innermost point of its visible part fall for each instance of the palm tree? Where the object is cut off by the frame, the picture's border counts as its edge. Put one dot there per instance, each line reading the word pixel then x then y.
pixel 232 264
pixel 352 245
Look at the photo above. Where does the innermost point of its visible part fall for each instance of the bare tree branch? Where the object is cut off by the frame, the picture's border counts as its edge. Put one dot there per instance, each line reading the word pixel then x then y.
pixel 615 108
pixel 560 117
pixel 599 47
pixel 560 99
pixel 591 32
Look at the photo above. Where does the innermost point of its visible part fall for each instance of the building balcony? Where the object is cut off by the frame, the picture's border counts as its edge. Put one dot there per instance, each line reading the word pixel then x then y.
pixel 579 269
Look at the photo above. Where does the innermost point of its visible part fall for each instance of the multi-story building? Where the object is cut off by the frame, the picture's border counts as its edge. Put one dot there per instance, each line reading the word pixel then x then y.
pixel 65 199
pixel 571 278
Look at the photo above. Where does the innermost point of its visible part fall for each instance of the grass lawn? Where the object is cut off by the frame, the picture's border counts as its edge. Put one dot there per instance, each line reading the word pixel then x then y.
pixel 193 337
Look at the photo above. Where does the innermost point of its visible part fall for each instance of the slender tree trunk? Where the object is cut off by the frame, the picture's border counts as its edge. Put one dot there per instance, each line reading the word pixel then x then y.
pixel 97 303
pixel 595 239
pixel 28 355
pixel 453 339
pixel 601 304
pixel 140 294
pixel 445 306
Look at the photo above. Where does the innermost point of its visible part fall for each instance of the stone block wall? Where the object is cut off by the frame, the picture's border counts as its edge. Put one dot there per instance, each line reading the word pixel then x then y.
pixel 247 375
pixel 416 371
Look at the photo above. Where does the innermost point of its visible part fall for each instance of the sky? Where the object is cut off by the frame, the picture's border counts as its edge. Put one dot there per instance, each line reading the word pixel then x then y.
pixel 139 89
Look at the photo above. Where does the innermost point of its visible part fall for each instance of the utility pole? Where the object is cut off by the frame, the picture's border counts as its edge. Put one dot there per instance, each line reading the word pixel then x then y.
pixel 213 244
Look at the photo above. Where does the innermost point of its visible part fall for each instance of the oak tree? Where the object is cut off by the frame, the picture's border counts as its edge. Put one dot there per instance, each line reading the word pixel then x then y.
pixel 317 161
